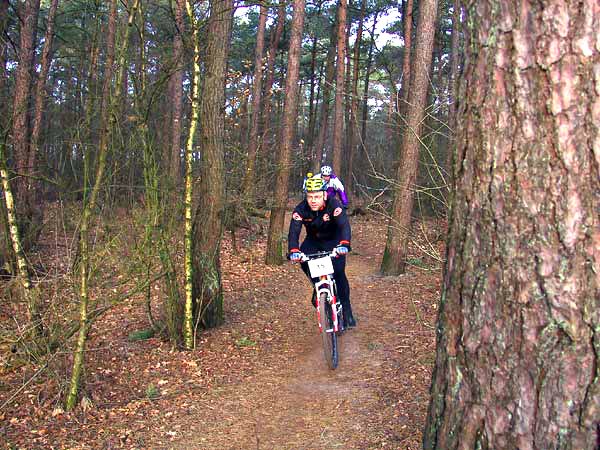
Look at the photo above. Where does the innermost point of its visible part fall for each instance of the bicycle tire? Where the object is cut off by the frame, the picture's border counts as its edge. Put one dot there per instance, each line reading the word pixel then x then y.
pixel 341 321
pixel 329 338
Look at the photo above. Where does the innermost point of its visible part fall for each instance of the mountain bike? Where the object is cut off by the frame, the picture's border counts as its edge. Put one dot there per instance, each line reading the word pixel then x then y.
pixel 329 309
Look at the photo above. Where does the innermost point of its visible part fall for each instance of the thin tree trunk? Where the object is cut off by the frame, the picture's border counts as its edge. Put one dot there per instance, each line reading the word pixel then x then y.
pixel 253 142
pixel 29 292
pixel 272 53
pixel 347 94
pixel 402 106
pixel 353 122
pixel 325 103
pixel 157 226
pixel 338 116
pixel 109 116
pixel 365 101
pixel 188 318
pixel 208 288
pixel 312 100
pixel 518 332
pixel 177 86
pixel 40 98
pixel 394 258
pixel 274 241
pixel 455 62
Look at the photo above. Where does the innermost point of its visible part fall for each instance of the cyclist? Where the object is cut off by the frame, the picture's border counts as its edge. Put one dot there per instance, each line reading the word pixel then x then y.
pixel 334 185
pixel 308 175
pixel 327 227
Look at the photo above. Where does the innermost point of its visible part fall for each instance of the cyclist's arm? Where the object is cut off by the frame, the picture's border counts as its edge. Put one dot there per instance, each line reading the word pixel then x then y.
pixel 343 224
pixel 339 187
pixel 294 232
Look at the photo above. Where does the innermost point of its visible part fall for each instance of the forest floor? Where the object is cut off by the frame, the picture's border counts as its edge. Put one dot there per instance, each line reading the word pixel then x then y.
pixel 259 381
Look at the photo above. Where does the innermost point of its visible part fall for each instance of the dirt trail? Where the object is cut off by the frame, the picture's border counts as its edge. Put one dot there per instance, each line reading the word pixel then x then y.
pixel 259 381
pixel 295 401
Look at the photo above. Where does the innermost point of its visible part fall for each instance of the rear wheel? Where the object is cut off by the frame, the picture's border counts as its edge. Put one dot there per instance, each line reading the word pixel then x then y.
pixel 327 333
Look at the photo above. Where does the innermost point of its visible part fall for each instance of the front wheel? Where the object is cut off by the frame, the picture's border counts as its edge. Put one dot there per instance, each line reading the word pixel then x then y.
pixel 327 332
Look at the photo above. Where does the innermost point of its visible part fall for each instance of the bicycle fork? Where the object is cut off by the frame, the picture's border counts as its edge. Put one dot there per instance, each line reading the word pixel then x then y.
pixel 325 284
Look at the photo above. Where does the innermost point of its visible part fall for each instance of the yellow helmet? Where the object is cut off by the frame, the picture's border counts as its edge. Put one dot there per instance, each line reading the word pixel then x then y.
pixel 314 184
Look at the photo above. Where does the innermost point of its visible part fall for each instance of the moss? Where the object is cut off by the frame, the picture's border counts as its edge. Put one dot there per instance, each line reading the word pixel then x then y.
pixel 140 335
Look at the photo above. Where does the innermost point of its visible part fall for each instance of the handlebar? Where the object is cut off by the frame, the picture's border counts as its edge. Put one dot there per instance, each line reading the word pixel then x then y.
pixel 307 257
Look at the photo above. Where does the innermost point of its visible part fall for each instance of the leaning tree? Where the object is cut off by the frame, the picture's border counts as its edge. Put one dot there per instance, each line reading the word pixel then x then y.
pixel 518 342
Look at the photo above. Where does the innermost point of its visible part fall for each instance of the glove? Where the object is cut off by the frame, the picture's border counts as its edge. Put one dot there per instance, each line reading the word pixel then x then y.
pixel 295 256
pixel 341 250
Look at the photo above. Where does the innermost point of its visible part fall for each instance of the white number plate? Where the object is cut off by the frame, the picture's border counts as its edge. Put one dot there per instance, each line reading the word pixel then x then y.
pixel 320 266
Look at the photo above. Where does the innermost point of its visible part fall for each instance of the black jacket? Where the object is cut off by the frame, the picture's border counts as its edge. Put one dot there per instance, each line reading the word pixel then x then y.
pixel 329 224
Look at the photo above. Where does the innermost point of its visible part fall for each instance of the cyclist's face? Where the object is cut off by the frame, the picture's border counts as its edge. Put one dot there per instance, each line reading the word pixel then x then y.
pixel 327 178
pixel 316 200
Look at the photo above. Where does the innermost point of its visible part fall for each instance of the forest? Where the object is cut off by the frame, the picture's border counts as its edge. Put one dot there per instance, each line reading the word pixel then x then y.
pixel 152 153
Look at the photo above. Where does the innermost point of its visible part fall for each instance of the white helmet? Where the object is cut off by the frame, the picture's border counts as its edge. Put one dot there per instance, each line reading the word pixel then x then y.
pixel 326 171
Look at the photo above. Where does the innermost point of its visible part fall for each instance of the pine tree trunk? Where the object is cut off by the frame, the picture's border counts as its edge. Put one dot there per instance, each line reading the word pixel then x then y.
pixel 518 342
pixel 20 122
pixel 310 137
pixel 353 122
pixel 338 116
pixel 394 257
pixel 326 102
pixel 267 129
pixel 290 112
pixel 208 224
pixel 253 143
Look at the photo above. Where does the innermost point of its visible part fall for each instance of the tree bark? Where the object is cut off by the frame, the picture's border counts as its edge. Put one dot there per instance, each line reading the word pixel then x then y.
pixel 3 27
pixel 256 102
pixel 290 113
pixel 208 224
pixel 394 257
pixel 455 56
pixel 518 335
pixel 20 120
pixel 338 117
